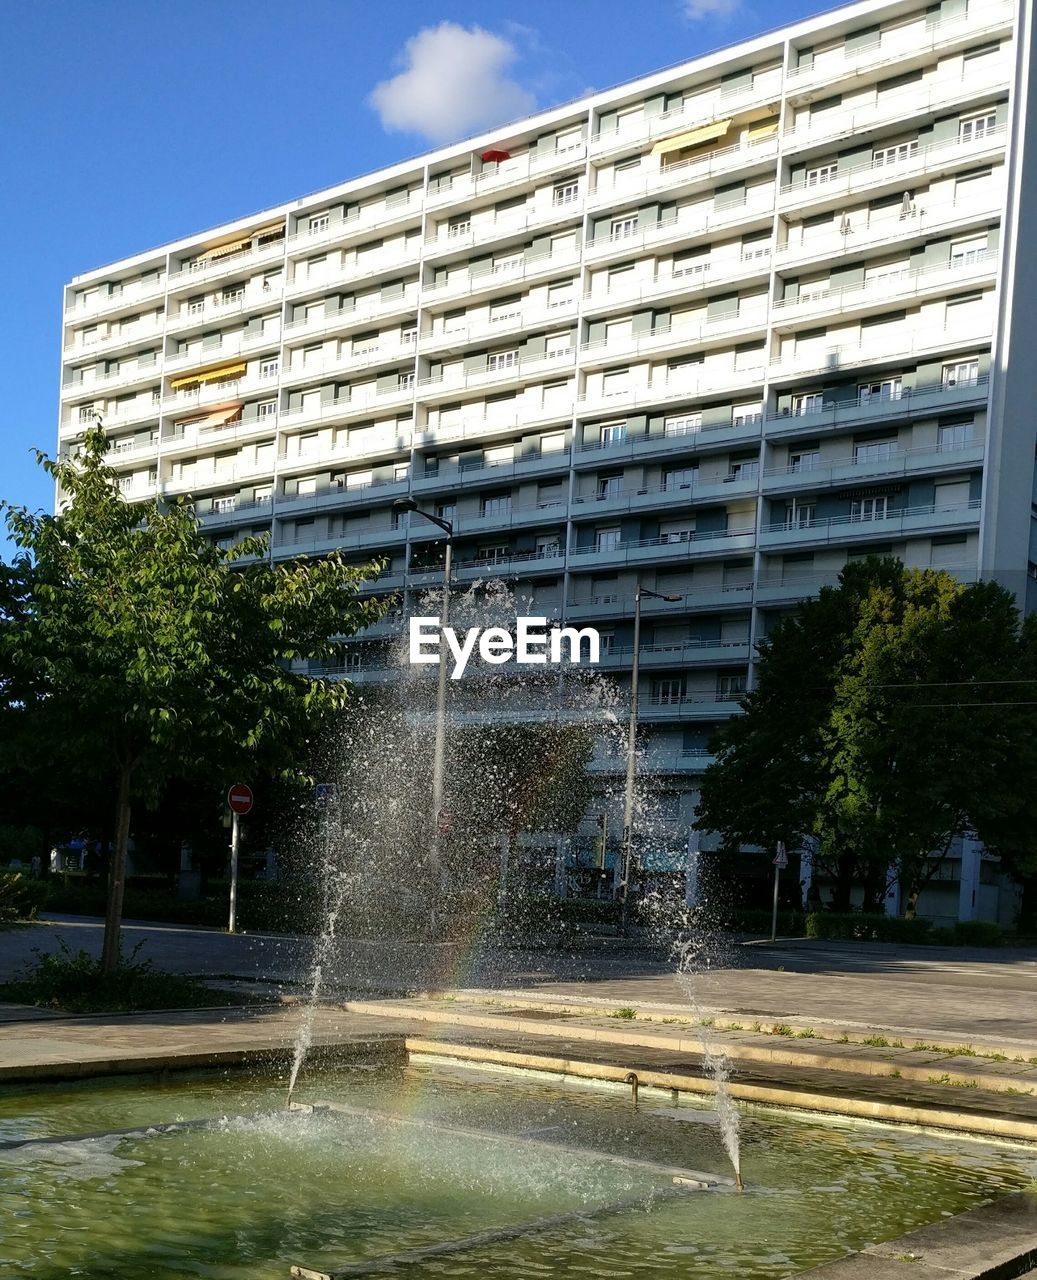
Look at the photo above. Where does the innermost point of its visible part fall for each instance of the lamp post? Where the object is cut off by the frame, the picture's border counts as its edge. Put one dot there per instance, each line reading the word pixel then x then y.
pixel 439 755
pixel 628 798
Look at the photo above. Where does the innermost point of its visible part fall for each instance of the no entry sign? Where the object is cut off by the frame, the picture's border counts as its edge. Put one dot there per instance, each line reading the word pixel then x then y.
pixel 239 797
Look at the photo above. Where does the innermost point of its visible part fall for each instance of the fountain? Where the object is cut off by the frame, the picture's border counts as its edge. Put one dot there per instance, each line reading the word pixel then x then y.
pixel 427 1163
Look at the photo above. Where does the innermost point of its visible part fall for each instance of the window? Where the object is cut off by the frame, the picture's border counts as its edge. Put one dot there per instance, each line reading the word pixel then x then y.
pixel 875 451
pixel 552 442
pixel 972 128
pixel 222 505
pixel 965 252
pixel 807 402
pixel 498 360
pixel 962 373
pixel 691 262
pixel 607 641
pixel 505 309
pixel 680 477
pixel 615 383
pixel 495 504
pixel 266 408
pixel 612 433
pixel 745 415
pixel 408 334
pixel 894 154
pixel 804 460
pixel 508 261
pixel 956 435
pixel 730 687
pixel 799 515
pixel 744 470
pixel 980 51
pixel 668 690
pixel 406 381
pixel 962 180
pixel 493 554
pixel 459 225
pixel 359 479
pixel 886 389
pixel 364 343
pixel 262 495
pixel 821 173
pixel 548 546
pixel 560 294
pixel 677 531
pixel 446 510
pixel 499 454
pixel 608 539
pixel 682 424
pixel 623 227
pixel 609 487
pixel 550 494
pixel 269 368
pixel 318 223
pixel 566 192
pixel 401 471
pixel 308 443
pixel 312 355
pixel 964 309
pixel 869 508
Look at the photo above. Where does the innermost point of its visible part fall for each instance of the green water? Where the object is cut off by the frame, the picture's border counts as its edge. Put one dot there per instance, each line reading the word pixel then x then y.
pixel 247 1198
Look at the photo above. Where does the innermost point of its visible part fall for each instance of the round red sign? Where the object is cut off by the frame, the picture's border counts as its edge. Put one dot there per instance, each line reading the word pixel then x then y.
pixel 239 797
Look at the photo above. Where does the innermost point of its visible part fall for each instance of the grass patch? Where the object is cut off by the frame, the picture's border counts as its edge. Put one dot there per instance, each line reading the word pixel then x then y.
pixel 781 1029
pixel 876 1042
pixel 625 1012
pixel 72 982
pixel 807 1033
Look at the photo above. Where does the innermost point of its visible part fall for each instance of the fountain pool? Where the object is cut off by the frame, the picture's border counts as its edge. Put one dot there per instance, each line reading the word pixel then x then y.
pixel 251 1197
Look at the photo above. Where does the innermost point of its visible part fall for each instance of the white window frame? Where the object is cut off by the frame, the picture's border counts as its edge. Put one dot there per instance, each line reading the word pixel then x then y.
pixel 863 510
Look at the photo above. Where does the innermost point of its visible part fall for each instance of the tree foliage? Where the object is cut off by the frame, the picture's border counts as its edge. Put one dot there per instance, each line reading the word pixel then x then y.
pixel 148 652
pixel 880 729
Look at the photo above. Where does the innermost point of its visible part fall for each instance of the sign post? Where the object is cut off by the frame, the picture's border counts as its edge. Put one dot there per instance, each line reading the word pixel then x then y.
pixel 781 861
pixel 239 798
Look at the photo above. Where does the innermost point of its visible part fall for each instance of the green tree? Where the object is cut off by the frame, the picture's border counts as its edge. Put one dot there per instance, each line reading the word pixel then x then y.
pixel 155 653
pixel 874 731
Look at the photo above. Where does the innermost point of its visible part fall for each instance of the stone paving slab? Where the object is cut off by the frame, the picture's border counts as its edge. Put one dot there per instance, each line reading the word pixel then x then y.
pixel 66 1048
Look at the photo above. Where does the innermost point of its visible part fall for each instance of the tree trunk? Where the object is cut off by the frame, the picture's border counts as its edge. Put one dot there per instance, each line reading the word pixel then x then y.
pixel 844 869
pixel 111 949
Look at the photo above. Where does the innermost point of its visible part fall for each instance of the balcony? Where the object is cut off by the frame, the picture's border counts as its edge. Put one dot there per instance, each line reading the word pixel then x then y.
pixel 124 380
pixel 450 385
pixel 725 270
pixel 872 410
pixel 252 297
pixel 373 218
pixel 709 485
pixel 896 46
pixel 883 291
pixel 364 312
pixel 478 474
pixel 189 439
pixel 202 274
pixel 476 282
pixel 231 511
pixel 671 548
pixel 881 231
pixel 655 762
pixel 662 391
pixel 521 169
pixel 863 469
pixel 689 707
pixel 729 596
pixel 869 176
pixel 683 175
pixel 935 342
pixel 716 103
pixel 678 439
pixel 348 362
pixel 435 338
pixel 750 318
pixel 696 222
pixel 483 231
pixel 131 295
pixel 926 519
pixel 233 344
pixel 679 653
pixel 107 343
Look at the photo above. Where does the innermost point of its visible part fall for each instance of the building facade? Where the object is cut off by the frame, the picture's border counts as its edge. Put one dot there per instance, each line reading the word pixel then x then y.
pixel 716 331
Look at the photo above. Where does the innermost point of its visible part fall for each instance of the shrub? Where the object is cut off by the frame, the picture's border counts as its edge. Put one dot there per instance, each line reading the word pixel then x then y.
pixel 873 928
pixel 19 898
pixel 977 933
pixel 72 981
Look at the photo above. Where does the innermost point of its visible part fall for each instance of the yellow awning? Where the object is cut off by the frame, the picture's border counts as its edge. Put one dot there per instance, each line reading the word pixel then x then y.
pixel 707 133
pixel 221 250
pixel 273 228
pixel 217 419
pixel 209 375
pixel 765 129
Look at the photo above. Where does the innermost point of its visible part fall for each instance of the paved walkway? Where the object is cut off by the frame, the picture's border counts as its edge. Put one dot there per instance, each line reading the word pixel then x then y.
pixel 966 995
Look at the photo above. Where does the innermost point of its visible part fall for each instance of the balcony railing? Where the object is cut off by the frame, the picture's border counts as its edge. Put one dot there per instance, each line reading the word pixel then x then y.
pixel 665 540
pixel 897 515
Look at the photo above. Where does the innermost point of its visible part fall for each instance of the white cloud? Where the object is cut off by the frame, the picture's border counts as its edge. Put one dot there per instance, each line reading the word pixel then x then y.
pixel 453 82
pixel 697 9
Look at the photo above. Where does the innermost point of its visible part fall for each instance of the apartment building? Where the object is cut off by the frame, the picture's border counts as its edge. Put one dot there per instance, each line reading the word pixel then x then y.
pixel 715 331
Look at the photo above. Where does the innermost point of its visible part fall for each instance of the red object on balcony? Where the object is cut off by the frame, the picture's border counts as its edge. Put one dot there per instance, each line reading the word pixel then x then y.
pixel 494 157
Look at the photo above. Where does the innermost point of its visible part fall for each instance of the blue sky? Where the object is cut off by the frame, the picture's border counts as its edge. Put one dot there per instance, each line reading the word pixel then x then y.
pixel 127 123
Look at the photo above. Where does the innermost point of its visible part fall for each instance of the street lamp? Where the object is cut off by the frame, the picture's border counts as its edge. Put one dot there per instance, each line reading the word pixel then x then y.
pixel 628 799
pixel 438 760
